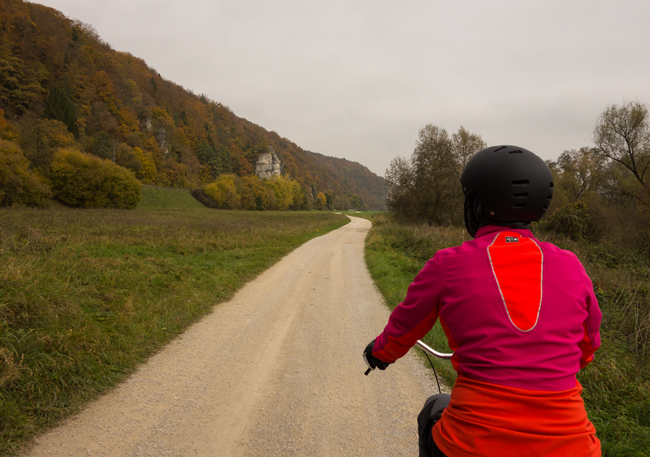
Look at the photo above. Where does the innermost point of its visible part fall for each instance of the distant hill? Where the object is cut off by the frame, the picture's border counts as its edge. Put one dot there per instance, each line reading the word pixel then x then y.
pixel 61 84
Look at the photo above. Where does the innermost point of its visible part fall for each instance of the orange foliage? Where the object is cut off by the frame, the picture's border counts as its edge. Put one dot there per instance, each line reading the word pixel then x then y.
pixel 118 95
pixel 105 92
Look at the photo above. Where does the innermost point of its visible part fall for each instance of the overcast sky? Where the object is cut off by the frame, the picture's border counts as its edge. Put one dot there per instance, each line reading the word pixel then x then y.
pixel 358 78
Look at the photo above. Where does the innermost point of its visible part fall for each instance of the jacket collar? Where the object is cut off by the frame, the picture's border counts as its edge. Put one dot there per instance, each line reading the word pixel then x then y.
pixel 495 228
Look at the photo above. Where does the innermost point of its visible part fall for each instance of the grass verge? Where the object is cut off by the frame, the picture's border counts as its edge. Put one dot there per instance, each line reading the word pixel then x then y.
pixel 87 295
pixel 616 385
pixel 167 198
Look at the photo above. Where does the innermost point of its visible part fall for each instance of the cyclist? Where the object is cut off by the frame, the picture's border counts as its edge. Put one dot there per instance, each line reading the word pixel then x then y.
pixel 520 315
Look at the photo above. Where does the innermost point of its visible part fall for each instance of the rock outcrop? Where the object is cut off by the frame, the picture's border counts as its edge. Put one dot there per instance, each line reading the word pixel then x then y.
pixel 268 165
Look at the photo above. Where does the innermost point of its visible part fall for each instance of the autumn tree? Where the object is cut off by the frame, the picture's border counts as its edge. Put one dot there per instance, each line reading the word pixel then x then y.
pixel 357 203
pixel 321 200
pixel 19 88
pixel 215 158
pixel 50 64
pixel 147 170
pixel 85 181
pixel 105 92
pixel 580 175
pixel 126 157
pixel 40 138
pixel 100 119
pixel 426 186
pixel 466 144
pixel 224 192
pixel 577 203
pixel 18 184
pixel 288 193
pixel 622 136
pixel 400 179
pixel 254 194
pixel 7 129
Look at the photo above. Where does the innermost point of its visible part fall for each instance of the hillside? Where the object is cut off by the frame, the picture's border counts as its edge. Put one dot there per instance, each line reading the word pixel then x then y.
pixel 60 85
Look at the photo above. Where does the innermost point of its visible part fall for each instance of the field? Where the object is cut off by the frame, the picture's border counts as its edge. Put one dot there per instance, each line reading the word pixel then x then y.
pixel 616 385
pixel 87 295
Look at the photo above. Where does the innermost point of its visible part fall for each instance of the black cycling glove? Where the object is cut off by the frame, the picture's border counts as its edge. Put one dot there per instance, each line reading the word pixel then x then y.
pixel 372 360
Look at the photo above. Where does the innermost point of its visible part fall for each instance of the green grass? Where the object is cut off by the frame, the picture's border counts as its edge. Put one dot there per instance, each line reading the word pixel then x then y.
pixel 87 295
pixel 166 198
pixel 616 385
pixel 394 255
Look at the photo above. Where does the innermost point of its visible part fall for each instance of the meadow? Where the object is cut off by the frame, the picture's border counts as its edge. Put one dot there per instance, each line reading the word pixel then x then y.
pixel 153 197
pixel 87 295
pixel 616 385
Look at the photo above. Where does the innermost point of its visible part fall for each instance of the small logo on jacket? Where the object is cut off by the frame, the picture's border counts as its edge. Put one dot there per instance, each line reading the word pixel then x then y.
pixel 512 239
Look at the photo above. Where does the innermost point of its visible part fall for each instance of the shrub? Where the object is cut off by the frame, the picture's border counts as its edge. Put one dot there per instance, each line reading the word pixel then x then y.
pixel 571 220
pixel 18 184
pixel 254 194
pixel 224 192
pixel 84 181
pixel 200 195
pixel 251 193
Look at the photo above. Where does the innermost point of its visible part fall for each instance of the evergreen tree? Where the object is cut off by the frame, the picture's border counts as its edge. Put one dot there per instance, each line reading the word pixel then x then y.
pixel 59 106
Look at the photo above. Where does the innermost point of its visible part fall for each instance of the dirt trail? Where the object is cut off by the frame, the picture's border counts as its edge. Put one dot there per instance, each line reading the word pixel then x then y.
pixel 277 371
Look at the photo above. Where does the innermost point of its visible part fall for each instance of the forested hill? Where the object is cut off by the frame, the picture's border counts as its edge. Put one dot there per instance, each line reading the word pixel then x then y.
pixel 60 83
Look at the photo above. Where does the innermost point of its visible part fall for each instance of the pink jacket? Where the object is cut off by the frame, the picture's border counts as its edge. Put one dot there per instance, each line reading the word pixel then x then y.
pixel 517 312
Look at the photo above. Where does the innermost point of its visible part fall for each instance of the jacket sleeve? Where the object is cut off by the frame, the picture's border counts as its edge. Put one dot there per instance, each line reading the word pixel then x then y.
pixel 591 341
pixel 415 316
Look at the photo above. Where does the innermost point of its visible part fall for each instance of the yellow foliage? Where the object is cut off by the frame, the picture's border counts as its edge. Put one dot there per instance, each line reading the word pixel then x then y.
pixel 321 199
pixel 161 114
pixel 223 192
pixel 105 92
pixel 254 194
pixel 287 193
pixel 40 139
pixel 86 181
pixel 128 121
pixel 147 171
pixel 18 184
pixel 133 91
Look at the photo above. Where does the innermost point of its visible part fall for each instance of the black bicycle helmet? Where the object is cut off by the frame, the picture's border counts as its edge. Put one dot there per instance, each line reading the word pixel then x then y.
pixel 513 184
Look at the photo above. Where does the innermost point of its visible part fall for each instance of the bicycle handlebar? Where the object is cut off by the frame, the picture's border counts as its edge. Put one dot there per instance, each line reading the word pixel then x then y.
pixel 433 352
pixel 421 345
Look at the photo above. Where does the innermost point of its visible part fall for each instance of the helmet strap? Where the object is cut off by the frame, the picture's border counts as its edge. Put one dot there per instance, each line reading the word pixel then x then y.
pixel 473 213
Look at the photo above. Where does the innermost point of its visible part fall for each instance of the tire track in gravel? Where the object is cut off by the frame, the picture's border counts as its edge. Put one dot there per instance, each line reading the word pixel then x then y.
pixel 276 371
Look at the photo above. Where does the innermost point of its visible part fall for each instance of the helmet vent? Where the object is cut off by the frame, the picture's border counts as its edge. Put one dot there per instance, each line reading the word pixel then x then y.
pixel 501 148
pixel 551 184
pixel 516 151
pixel 521 195
pixel 521 182
pixel 519 205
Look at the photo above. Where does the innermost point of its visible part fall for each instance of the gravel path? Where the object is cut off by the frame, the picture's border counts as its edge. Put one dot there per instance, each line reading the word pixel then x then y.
pixel 276 371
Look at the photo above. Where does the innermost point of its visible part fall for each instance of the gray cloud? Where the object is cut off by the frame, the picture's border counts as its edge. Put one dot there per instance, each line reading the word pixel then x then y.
pixel 358 79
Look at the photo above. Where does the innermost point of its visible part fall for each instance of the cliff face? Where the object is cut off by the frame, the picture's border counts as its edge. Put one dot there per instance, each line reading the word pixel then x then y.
pixel 57 73
pixel 268 165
